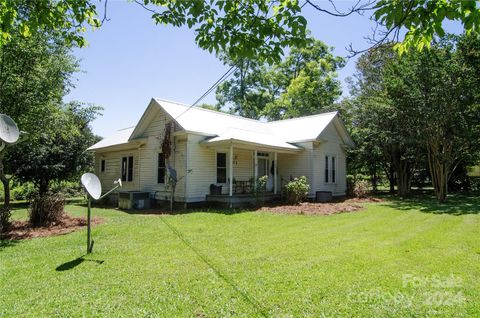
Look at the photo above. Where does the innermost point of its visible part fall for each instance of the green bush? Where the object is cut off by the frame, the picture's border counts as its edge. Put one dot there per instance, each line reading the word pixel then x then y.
pixel 23 191
pixel 297 190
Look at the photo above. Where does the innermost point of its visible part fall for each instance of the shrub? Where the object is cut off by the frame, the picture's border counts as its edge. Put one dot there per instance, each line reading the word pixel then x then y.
pixel 23 191
pixel 297 190
pixel 361 188
pixel 46 209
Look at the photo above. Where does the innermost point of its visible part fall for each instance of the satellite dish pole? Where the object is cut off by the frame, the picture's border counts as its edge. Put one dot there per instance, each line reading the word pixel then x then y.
pixel 9 135
pixel 92 184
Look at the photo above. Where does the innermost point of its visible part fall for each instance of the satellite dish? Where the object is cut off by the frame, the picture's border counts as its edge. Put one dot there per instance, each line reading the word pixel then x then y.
pixel 172 172
pixel 92 185
pixel 9 132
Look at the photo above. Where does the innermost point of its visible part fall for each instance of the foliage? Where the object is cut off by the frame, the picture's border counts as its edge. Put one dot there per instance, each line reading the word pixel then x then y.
pixel 68 18
pixel 242 29
pixel 423 19
pixel 35 73
pixel 167 140
pixel 24 191
pixel 295 257
pixel 296 190
pixel 440 90
pixel 419 111
pixel 46 209
pixel 58 152
pixel 304 83
pixel 361 188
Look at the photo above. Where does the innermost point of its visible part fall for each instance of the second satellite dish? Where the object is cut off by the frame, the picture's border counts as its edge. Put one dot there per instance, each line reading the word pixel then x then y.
pixel 92 185
pixel 9 132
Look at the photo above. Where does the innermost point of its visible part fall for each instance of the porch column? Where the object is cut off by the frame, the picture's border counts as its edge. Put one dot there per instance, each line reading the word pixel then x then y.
pixel 255 162
pixel 230 171
pixel 275 166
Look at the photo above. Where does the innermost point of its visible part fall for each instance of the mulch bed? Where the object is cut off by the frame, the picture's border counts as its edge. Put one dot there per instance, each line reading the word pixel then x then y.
pixel 21 230
pixel 315 208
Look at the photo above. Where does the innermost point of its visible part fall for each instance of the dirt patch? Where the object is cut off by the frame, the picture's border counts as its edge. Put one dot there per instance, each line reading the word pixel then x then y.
pixel 21 230
pixel 315 208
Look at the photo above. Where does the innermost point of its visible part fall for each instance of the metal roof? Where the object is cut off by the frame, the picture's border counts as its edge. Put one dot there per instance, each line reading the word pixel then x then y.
pixel 222 127
pixel 119 137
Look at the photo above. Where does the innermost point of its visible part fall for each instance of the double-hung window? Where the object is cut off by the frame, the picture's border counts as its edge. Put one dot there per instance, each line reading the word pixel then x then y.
pixel 102 165
pixel 127 168
pixel 221 167
pixel 161 168
pixel 330 172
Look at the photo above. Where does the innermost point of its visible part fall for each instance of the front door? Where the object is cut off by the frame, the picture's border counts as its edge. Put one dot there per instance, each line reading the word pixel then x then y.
pixel 262 167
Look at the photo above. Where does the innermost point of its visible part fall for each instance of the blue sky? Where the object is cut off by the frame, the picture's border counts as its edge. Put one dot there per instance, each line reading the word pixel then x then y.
pixel 129 60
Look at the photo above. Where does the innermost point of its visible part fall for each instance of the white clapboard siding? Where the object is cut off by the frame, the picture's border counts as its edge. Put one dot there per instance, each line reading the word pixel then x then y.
pixel 113 169
pixel 331 146
pixel 297 165
pixel 202 166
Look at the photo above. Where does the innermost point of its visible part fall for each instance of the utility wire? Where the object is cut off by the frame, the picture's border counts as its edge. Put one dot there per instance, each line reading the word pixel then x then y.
pixel 229 72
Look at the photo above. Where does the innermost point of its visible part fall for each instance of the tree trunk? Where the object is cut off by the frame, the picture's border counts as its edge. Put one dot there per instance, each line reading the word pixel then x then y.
pixel 439 169
pixel 6 184
pixel 403 168
pixel 391 179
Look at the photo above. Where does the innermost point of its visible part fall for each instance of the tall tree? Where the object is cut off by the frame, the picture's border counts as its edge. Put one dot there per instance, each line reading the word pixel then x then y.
pixel 441 89
pixel 35 73
pixel 58 151
pixel 304 83
pixel 383 128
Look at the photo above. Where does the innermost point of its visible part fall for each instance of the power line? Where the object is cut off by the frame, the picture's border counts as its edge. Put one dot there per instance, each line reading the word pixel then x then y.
pixel 232 69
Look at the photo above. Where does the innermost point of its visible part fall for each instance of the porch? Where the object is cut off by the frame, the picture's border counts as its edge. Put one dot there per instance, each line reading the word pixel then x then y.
pixel 239 167
pixel 241 200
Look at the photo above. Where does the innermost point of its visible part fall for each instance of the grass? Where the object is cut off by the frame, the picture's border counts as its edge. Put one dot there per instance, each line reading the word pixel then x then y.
pixel 395 259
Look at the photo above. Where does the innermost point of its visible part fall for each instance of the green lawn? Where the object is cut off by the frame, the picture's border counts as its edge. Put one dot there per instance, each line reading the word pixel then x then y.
pixel 394 259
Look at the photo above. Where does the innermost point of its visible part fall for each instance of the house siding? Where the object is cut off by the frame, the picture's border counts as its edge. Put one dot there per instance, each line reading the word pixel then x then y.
pixel 297 165
pixel 195 163
pixel 332 146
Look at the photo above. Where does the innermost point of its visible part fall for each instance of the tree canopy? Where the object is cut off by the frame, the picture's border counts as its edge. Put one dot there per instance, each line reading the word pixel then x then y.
pixel 304 83
pixel 421 108
pixel 244 29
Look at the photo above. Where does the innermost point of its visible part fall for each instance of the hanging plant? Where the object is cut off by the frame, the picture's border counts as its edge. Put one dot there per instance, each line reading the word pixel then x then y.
pixel 167 141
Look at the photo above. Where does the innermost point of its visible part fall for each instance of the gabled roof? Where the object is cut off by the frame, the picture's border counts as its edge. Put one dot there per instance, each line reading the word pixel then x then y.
pixel 222 127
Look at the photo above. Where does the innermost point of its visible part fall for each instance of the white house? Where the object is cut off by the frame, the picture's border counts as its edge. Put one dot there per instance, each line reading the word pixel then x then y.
pixel 210 147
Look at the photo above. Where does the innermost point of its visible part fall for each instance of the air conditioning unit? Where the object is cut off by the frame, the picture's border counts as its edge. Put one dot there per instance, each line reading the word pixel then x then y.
pixel 133 200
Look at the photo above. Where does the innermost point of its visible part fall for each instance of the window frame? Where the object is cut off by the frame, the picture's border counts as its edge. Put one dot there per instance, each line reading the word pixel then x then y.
pixel 221 167
pixel 127 165
pixel 103 165
pixel 330 169
pixel 159 168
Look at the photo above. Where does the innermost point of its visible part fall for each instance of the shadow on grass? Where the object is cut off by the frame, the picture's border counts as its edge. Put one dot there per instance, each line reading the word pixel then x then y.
pixel 74 263
pixel 457 204
pixel 249 299
pixel 7 243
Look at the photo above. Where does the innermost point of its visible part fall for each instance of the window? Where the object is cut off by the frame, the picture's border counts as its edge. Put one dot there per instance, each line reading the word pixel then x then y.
pixel 161 168
pixel 326 169
pixel 330 172
pixel 221 167
pixel 102 165
pixel 127 168
pixel 333 169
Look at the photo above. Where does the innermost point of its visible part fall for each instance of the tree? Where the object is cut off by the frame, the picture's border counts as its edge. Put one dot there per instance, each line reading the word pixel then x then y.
pixel 31 17
pixel 34 76
pixel 441 89
pixel 303 84
pixel 385 133
pixel 245 29
pixel 58 151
